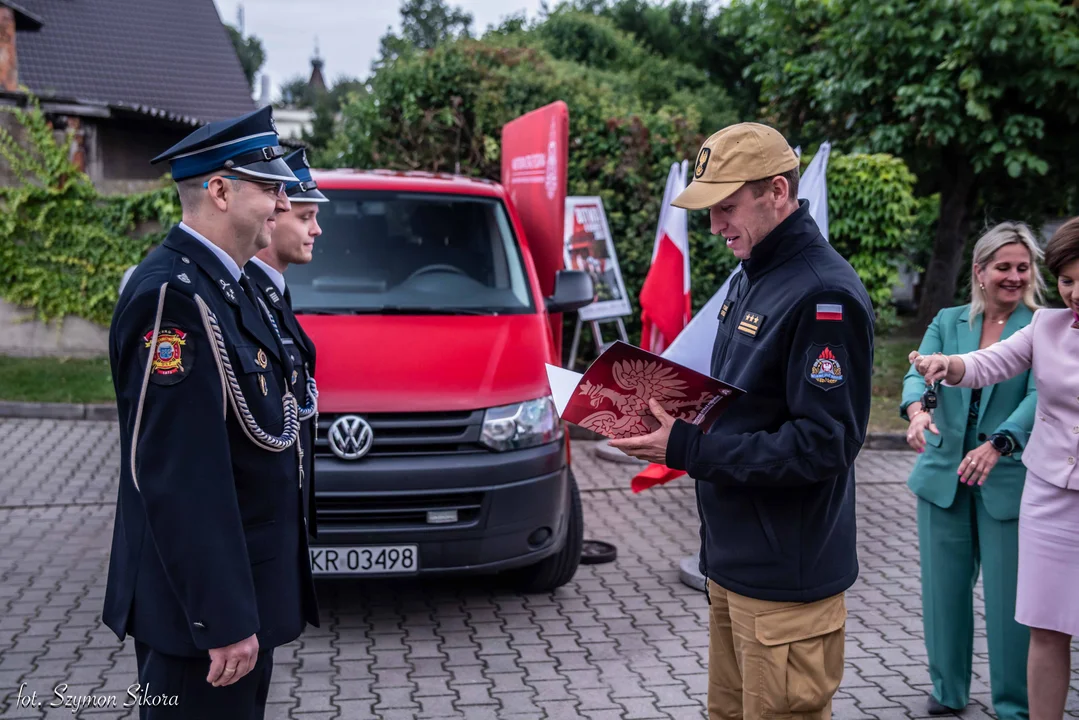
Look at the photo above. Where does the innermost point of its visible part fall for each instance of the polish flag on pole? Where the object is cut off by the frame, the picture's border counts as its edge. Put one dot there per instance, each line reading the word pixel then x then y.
pixel 693 347
pixel 665 298
pixel 665 302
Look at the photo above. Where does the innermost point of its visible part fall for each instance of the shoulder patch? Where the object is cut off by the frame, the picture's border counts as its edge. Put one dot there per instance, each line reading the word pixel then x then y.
pixel 826 366
pixel 173 356
pixel 830 312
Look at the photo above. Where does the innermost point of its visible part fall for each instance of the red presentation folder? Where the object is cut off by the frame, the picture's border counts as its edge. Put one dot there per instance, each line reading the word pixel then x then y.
pixel 611 397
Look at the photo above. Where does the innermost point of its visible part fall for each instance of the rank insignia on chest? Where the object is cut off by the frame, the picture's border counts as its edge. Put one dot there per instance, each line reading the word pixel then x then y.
pixel 751 323
pixel 171 361
pixel 825 366
pixel 274 297
pixel 295 376
pixel 261 358
pixel 262 383
pixel 723 310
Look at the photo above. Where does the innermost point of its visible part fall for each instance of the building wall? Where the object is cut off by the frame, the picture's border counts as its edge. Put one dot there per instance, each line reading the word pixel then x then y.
pixel 123 148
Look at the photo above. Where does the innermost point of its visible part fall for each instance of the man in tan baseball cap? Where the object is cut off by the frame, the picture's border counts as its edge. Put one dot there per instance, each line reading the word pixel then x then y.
pixel 775 473
pixel 736 177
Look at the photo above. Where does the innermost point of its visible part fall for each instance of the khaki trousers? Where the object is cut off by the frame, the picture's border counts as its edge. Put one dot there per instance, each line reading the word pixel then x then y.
pixel 773 659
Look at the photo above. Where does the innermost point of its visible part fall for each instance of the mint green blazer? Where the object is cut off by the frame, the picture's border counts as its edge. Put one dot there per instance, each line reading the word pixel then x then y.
pixel 1007 406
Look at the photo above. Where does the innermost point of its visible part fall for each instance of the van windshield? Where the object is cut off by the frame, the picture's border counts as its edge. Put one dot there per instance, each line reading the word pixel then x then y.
pixel 411 253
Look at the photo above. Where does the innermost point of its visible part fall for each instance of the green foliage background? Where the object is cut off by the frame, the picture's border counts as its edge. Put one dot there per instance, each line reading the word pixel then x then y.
pixel 63 245
pixel 632 114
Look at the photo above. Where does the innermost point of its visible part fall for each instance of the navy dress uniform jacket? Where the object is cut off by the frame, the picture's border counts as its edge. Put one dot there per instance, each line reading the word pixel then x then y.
pixel 301 350
pixel 208 547
pixel 775 473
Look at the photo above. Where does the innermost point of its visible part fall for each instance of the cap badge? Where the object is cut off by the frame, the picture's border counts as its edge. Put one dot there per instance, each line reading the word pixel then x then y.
pixel 702 162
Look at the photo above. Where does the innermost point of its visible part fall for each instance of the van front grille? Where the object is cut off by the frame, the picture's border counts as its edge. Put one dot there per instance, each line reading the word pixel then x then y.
pixel 411 434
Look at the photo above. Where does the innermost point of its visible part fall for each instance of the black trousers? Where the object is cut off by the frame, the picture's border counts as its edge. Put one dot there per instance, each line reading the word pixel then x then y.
pixel 175 688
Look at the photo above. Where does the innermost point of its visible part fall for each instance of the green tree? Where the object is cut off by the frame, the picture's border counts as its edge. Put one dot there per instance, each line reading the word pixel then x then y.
pixel 980 97
pixel 689 32
pixel 424 24
pixel 250 53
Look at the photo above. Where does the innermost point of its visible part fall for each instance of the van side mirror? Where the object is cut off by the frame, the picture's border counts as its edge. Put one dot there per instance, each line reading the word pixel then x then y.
pixel 573 289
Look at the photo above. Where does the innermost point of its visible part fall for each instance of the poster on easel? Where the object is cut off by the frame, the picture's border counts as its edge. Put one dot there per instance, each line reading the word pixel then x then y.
pixel 588 246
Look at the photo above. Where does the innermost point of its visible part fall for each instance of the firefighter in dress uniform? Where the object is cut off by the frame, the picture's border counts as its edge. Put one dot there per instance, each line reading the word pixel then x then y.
pixel 209 569
pixel 292 243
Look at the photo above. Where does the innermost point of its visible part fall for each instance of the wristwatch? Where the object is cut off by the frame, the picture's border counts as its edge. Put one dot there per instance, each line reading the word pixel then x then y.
pixel 1003 443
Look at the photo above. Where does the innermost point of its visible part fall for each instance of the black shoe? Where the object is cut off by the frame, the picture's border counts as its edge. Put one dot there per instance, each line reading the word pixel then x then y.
pixel 935 708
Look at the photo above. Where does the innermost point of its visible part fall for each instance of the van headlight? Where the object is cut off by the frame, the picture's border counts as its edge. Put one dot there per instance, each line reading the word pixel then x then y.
pixel 521 425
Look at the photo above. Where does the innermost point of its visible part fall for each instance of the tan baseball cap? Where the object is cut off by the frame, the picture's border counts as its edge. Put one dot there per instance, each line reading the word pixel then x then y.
pixel 732 157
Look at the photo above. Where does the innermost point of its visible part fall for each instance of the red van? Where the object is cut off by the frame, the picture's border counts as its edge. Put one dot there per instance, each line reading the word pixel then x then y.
pixel 439 449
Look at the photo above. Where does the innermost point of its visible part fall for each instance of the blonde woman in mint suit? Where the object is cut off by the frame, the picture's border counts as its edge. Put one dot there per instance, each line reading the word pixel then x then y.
pixel 968 519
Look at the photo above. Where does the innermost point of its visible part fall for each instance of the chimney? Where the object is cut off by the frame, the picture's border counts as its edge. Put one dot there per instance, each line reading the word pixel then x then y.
pixel 12 19
pixel 264 91
pixel 9 64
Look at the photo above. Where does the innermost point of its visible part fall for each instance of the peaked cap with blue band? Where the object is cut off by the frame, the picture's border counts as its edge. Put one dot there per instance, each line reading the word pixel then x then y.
pixel 247 145
pixel 305 190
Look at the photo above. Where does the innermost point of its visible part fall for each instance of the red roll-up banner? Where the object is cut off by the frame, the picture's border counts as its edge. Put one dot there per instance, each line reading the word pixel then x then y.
pixel 534 158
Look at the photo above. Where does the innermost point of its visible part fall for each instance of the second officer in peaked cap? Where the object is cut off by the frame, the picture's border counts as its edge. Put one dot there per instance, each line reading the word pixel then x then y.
pixel 209 570
pixel 293 243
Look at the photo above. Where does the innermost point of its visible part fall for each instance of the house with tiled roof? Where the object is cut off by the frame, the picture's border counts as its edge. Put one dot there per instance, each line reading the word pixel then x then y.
pixel 127 78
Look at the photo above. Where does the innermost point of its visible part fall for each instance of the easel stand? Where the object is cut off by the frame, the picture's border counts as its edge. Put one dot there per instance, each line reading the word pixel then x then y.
pixel 597 335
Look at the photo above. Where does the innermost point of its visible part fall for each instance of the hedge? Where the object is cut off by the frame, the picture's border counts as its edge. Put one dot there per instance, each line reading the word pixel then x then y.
pixel 64 246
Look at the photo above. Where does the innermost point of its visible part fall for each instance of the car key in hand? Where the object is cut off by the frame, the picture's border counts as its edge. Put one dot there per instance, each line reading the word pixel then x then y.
pixel 929 401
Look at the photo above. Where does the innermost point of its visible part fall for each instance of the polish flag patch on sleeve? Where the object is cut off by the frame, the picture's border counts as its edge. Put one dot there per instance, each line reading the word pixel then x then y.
pixel 833 313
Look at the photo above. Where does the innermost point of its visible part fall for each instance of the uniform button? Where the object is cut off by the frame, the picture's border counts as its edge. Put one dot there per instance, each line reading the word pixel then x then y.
pixel 186 260
pixel 1071 461
pixel 981 437
pixel 1076 429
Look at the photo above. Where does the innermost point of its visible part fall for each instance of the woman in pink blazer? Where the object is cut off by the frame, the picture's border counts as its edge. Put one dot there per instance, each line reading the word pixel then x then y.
pixel 1047 599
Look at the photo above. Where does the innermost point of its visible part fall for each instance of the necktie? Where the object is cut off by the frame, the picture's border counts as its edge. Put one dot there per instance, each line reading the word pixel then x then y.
pixel 245 285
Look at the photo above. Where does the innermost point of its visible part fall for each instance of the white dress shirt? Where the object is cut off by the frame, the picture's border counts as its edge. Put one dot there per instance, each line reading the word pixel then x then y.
pixel 277 278
pixel 223 256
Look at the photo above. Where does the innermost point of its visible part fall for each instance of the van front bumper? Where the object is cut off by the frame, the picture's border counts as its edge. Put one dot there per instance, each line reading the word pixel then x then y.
pixel 463 513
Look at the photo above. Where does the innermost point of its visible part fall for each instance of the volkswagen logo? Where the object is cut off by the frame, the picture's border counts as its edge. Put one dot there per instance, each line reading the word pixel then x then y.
pixel 350 437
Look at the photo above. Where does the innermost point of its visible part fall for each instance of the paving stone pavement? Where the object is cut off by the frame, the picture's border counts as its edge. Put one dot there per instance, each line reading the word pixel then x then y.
pixel 623 640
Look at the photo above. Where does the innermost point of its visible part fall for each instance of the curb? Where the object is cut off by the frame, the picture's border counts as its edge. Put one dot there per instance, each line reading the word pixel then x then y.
pixel 78 411
pixel 886 441
pixel 57 411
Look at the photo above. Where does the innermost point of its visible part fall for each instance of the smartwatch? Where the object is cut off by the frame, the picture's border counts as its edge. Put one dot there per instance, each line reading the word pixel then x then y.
pixel 1003 443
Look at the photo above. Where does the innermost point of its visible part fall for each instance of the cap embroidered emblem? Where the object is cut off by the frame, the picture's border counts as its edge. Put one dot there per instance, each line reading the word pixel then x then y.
pixel 702 162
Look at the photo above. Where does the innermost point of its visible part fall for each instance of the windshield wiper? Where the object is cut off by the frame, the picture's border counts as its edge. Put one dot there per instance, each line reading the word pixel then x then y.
pixel 323 311
pixel 395 310
pixel 420 310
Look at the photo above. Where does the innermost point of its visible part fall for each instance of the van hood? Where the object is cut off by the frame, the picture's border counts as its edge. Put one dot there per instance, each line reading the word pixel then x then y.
pixel 377 364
